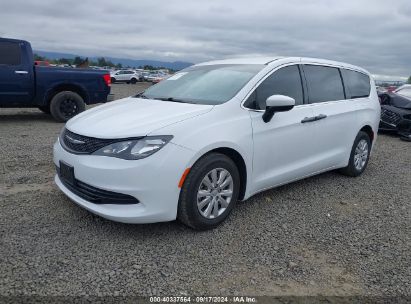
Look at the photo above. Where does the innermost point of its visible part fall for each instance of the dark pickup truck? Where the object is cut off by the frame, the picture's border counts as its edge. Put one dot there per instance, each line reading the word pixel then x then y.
pixel 63 92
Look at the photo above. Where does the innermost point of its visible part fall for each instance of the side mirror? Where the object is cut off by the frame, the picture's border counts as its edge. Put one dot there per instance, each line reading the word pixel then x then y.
pixel 277 103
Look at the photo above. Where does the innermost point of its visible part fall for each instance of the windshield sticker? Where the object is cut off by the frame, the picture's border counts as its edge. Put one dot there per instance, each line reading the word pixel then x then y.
pixel 177 76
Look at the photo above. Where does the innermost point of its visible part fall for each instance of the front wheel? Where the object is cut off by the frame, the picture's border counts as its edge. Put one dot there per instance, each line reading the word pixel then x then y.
pixel 133 80
pixel 209 193
pixel 360 154
pixel 66 105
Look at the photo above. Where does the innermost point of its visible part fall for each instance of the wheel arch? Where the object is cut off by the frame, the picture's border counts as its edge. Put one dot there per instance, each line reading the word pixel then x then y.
pixel 66 87
pixel 368 129
pixel 238 160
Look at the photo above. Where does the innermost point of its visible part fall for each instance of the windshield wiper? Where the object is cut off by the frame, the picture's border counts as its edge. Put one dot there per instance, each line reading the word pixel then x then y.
pixel 141 95
pixel 172 99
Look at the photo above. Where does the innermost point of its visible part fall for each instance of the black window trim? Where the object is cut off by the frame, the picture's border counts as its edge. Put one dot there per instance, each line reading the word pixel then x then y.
pixel 343 84
pixel 268 74
pixel 328 66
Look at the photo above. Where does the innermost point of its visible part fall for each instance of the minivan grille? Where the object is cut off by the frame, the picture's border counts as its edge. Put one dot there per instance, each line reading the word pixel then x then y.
pixel 95 195
pixel 80 144
pixel 390 117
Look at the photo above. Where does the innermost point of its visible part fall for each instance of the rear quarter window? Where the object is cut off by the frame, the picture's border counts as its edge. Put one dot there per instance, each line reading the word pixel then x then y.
pixel 10 53
pixel 357 85
pixel 324 83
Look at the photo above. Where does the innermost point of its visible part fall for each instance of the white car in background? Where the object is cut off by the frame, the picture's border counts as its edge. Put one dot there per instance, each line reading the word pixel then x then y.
pixel 127 76
pixel 193 145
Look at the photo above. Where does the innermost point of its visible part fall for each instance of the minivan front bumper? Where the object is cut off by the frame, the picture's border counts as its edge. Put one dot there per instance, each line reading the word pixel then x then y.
pixel 152 181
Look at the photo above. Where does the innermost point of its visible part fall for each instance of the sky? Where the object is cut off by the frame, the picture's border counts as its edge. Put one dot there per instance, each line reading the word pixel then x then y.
pixel 374 34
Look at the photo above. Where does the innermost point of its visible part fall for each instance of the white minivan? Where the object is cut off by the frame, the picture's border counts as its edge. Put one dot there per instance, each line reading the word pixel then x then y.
pixel 193 145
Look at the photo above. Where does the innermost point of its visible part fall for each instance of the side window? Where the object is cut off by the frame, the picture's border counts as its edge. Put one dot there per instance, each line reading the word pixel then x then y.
pixel 356 84
pixel 10 53
pixel 286 81
pixel 324 83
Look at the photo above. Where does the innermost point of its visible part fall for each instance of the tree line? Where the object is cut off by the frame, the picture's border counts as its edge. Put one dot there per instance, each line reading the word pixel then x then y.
pixel 101 62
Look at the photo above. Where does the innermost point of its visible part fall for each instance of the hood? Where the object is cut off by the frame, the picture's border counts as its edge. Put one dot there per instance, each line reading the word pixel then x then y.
pixel 132 117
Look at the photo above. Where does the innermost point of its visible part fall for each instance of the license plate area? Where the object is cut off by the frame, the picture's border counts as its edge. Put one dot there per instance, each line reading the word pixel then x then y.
pixel 67 173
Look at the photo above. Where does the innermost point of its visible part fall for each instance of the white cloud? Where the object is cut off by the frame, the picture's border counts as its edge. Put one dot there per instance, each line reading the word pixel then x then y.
pixel 371 33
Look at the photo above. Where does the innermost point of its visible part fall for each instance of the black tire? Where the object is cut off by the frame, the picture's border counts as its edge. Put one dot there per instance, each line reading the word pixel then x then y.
pixel 113 80
pixel 351 169
pixel 188 212
pixel 133 80
pixel 45 109
pixel 65 105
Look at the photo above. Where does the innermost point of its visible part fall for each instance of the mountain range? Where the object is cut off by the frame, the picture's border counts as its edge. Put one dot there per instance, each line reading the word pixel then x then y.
pixel 176 65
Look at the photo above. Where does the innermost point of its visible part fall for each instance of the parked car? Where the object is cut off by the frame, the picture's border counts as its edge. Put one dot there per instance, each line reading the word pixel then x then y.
pixel 391 88
pixel 59 91
pixel 193 145
pixel 381 89
pixel 41 63
pixel 155 77
pixel 396 113
pixel 158 78
pixel 127 76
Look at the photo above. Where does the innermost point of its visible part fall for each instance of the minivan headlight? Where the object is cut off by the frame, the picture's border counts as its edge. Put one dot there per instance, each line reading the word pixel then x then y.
pixel 135 148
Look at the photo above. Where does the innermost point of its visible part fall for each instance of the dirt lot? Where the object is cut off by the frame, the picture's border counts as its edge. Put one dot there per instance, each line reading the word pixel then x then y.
pixel 328 235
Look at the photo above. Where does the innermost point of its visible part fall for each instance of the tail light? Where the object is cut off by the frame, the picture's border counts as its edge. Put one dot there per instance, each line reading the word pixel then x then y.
pixel 107 79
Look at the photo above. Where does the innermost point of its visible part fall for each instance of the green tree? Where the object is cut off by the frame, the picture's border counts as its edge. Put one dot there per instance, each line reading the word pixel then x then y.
pixel 409 80
pixel 101 61
pixel 38 57
pixel 78 60
pixel 64 61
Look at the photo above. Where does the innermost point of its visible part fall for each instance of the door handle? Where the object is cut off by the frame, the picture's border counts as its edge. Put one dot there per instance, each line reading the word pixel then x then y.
pixel 309 119
pixel 321 116
pixel 313 118
pixel 21 72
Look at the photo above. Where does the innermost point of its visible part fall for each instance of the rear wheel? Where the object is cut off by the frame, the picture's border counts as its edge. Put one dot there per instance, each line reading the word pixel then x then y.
pixel 45 109
pixel 209 193
pixel 66 105
pixel 360 154
pixel 113 80
pixel 133 80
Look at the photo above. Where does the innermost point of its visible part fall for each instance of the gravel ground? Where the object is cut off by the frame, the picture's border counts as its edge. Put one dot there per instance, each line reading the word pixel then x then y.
pixel 328 235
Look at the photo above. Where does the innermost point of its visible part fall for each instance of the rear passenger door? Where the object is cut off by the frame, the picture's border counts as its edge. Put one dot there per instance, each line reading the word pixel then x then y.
pixel 335 126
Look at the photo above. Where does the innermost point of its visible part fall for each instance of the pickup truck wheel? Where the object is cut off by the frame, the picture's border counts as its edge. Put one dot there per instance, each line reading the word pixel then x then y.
pixel 66 105
pixel 45 109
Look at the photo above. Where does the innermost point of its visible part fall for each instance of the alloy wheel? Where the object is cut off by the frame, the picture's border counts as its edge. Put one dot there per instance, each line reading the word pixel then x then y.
pixel 215 193
pixel 361 154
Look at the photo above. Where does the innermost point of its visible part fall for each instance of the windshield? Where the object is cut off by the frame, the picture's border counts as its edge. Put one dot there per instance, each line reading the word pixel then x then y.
pixel 209 84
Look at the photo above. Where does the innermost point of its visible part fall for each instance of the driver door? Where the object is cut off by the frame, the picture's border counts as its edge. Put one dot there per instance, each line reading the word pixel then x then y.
pixel 283 149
